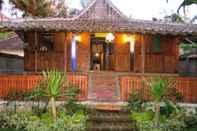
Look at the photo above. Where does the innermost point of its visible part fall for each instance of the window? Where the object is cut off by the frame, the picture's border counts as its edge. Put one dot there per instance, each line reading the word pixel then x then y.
pixel 46 41
pixel 156 45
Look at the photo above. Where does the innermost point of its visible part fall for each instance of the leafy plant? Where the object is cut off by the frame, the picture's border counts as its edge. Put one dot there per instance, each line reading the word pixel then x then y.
pixel 187 46
pixel 158 88
pixel 136 99
pixel 75 122
pixel 16 120
pixel 173 94
pixel 142 116
pixel 30 122
pixel 51 87
pixel 71 106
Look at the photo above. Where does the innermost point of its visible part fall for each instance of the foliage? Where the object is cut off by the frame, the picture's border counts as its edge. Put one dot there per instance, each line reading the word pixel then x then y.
pixel 187 3
pixel 51 87
pixel 54 80
pixel 30 122
pixel 168 126
pixel 158 88
pixel 136 99
pixel 69 117
pixel 186 46
pixel 76 122
pixel 181 121
pixel 5 35
pixel 170 117
pixel 142 116
pixel 41 8
pixel 14 120
pixel 173 94
pixel 174 17
pixel 71 106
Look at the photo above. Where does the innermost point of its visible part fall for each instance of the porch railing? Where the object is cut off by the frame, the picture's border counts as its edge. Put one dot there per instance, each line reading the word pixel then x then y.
pixel 187 86
pixel 25 83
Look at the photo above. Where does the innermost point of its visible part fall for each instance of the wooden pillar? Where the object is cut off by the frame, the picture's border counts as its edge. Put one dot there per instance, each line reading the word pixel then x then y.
pixel 65 53
pixel 143 54
pixel 36 55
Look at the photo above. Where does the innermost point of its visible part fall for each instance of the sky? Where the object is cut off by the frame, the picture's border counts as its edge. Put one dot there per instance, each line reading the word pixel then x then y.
pixel 138 9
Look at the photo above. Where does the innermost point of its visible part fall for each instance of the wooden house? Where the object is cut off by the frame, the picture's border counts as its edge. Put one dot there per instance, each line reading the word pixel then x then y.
pixel 103 51
pixel 12 55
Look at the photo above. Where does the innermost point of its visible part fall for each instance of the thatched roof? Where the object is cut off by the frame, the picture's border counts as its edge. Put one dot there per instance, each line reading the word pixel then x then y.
pixel 99 16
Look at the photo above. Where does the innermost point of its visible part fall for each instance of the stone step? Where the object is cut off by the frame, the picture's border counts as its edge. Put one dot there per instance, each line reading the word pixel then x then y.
pixel 114 120
pixel 112 127
pixel 110 118
pixel 115 116
pixel 103 86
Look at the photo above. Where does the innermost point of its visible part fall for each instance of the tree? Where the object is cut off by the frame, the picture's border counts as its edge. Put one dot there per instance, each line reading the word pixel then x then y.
pixel 176 16
pixel 41 8
pixel 186 3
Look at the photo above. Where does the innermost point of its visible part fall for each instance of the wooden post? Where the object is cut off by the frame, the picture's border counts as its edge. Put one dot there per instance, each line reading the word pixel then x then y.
pixel 36 57
pixel 65 52
pixel 143 54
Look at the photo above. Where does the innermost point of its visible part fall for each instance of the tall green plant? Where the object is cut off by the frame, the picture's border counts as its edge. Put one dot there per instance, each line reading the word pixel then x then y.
pixel 55 81
pixel 158 88
pixel 51 87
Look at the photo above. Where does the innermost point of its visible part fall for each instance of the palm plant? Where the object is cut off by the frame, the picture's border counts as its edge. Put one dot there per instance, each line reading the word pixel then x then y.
pixel 55 80
pixel 158 88
pixel 51 87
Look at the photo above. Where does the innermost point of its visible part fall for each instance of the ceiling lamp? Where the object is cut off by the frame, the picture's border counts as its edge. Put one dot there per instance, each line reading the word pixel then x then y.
pixel 109 38
pixel 78 38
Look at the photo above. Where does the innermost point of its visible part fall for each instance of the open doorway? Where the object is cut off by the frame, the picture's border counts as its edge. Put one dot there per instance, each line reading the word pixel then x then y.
pixel 102 53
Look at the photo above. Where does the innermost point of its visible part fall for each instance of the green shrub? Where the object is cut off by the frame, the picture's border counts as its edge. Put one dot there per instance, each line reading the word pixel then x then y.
pixel 75 122
pixel 30 122
pixel 16 120
pixel 162 114
pixel 170 125
pixel 136 99
pixel 142 116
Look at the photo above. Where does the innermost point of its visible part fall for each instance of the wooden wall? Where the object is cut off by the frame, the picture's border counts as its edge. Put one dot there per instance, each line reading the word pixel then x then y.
pixel 83 51
pixel 122 53
pixel 60 56
pixel 42 60
pixel 163 62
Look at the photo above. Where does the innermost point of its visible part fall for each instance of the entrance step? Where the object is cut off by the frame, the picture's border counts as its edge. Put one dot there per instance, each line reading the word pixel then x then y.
pixel 105 120
pixel 104 86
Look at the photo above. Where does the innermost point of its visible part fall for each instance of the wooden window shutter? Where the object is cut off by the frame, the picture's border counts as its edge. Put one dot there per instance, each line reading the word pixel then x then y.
pixel 156 45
